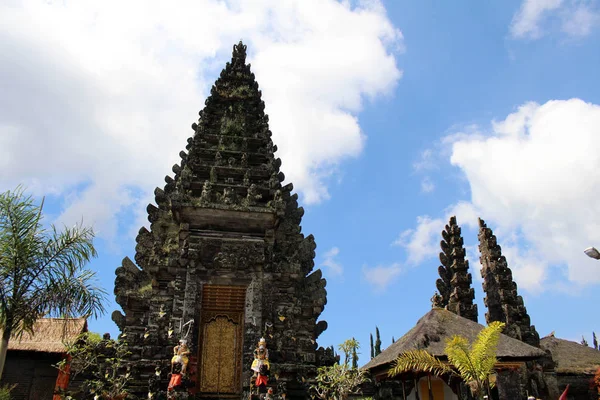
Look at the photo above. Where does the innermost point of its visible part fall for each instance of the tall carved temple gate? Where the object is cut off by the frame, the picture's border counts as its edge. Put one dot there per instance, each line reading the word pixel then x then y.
pixel 224 262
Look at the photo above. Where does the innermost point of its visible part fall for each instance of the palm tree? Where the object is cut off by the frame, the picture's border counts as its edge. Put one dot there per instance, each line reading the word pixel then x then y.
pixel 41 270
pixel 473 364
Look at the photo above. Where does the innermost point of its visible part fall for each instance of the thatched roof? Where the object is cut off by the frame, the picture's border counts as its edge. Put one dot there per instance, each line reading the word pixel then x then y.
pixel 436 326
pixel 49 335
pixel 571 357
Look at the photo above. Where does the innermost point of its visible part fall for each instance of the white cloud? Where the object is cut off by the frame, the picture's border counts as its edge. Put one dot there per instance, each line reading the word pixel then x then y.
pixel 381 276
pixel 422 242
pixel 330 262
pixel 536 173
pixel 466 214
pixel 427 186
pixel 426 161
pixel 528 267
pixel 576 18
pixel 526 21
pixel 99 96
pixel 472 255
pixel 580 21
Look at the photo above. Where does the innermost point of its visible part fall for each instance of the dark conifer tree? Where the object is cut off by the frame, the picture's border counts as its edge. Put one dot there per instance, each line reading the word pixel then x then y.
pixel 377 342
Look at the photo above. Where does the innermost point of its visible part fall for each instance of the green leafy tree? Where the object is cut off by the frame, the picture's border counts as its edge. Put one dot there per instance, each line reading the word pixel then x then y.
pixel 372 348
pixel 340 381
pixel 349 348
pixel 101 362
pixel 472 363
pixel 42 271
pixel 377 342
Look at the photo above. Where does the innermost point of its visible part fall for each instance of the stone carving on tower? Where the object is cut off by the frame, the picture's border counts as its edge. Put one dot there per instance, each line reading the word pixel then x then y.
pixel 502 300
pixel 454 284
pixel 224 251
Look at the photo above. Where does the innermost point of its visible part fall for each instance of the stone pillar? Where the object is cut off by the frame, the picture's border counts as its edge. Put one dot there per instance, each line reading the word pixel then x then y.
pixel 552 384
pixel 508 383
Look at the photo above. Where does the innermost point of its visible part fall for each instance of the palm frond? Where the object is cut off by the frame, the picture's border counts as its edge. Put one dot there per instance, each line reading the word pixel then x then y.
pixel 73 294
pixel 457 349
pixel 484 348
pixel 42 271
pixel 419 360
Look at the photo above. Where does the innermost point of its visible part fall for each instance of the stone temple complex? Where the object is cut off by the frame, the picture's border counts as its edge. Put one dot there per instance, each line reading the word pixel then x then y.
pixel 224 262
pixel 222 301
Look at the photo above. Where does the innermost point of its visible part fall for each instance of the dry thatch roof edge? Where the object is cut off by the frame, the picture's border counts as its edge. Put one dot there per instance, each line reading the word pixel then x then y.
pixel 49 335
pixel 571 357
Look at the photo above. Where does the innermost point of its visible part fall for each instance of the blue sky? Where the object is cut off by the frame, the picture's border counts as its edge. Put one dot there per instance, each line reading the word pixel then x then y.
pixel 390 117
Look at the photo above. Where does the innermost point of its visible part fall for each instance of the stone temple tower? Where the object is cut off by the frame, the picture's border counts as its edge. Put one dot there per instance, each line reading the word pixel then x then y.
pixel 454 285
pixel 502 300
pixel 224 262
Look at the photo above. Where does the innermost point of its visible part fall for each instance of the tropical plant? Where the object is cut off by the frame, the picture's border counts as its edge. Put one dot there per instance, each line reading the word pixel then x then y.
pixel 5 391
pixel 472 363
pixel 340 380
pixel 42 270
pixel 102 364
pixel 349 348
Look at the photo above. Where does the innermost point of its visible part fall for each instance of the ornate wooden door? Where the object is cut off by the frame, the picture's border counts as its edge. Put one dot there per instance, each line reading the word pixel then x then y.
pixel 221 339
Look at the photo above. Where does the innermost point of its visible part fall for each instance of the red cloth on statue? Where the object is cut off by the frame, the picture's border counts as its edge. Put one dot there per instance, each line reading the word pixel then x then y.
pixel 62 381
pixel 564 395
pixel 175 381
pixel 261 380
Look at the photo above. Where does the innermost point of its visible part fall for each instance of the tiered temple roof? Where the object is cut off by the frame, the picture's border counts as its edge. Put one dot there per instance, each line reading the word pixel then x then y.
pixel 502 300
pixel 454 285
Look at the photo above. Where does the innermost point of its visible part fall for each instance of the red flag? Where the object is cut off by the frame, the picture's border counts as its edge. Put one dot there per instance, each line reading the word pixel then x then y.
pixel 564 395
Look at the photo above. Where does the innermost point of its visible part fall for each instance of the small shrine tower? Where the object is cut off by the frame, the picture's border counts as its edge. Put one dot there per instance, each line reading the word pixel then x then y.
pixel 224 262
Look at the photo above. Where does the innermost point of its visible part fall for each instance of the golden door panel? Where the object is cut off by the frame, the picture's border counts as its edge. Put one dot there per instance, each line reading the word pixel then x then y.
pixel 210 357
pixel 221 353
pixel 227 365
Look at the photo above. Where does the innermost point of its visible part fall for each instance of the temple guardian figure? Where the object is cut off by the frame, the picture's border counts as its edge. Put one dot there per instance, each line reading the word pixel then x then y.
pixel 261 366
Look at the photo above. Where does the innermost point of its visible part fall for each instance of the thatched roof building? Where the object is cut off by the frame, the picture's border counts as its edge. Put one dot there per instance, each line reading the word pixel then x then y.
pixel 432 330
pixel 31 358
pixel 571 357
pixel 575 366
pixel 49 335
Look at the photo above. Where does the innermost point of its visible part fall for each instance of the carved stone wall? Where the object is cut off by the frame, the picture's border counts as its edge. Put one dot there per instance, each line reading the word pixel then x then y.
pixel 224 218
